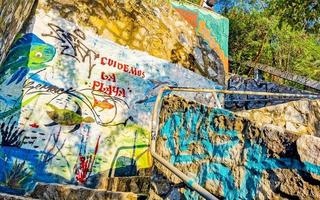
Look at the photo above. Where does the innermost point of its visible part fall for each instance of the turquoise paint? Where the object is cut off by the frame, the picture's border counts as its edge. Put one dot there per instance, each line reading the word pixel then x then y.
pixel 193 126
pixel 219 29
pixel 35 165
pixel 190 183
pixel 218 130
pixel 194 130
pixel 217 24
pixel 28 52
pixel 257 162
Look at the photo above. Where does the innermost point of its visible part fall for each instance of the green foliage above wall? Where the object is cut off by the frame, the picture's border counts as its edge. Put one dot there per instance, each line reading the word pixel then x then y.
pixel 268 36
pixel 280 33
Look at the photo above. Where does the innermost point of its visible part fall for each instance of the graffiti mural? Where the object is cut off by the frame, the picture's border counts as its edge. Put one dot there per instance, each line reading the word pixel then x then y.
pixel 75 106
pixel 215 32
pixel 241 102
pixel 204 141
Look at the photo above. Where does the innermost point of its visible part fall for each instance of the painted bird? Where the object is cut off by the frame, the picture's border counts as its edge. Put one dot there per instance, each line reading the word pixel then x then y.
pixel 102 104
pixel 65 117
pixel 27 53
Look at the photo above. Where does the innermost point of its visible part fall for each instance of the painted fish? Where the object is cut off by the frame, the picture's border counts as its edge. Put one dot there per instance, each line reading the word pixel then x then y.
pixel 102 104
pixel 27 53
pixel 65 117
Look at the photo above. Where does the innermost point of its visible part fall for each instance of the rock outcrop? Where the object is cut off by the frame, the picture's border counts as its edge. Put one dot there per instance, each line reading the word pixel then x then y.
pixel 12 197
pixel 77 90
pixel 155 28
pixel 61 192
pixel 135 184
pixel 76 95
pixel 213 28
pixel 237 102
pixel 13 14
pixel 298 117
pixel 233 157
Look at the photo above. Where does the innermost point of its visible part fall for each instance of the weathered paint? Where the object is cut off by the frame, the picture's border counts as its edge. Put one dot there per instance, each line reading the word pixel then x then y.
pixel 12 17
pixel 27 53
pixel 213 27
pixel 150 26
pixel 205 138
pixel 248 102
pixel 75 106
pixel 192 129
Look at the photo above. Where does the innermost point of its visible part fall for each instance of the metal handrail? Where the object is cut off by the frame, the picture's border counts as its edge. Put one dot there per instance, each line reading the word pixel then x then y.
pixel 155 129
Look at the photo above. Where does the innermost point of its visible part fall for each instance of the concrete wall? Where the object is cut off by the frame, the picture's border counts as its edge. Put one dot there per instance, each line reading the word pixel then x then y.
pixel 75 103
pixel 233 157
pixel 13 14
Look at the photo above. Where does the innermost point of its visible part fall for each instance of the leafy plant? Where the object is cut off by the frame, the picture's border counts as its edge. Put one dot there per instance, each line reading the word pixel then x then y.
pixel 17 176
pixel 10 134
pixel 264 36
pixel 301 15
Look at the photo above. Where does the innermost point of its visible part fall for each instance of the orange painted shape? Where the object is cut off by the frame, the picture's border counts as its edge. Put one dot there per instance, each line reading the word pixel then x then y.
pixel 205 33
pixel 190 17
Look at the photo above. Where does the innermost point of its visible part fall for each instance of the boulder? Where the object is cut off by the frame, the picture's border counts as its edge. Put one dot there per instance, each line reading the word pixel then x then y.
pixel 235 157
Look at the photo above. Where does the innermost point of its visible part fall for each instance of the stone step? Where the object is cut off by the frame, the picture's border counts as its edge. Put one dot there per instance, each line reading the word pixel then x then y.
pixel 12 197
pixel 135 184
pixel 62 192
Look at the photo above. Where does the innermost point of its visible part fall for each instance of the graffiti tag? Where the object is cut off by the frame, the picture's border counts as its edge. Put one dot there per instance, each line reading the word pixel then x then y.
pixel 72 44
